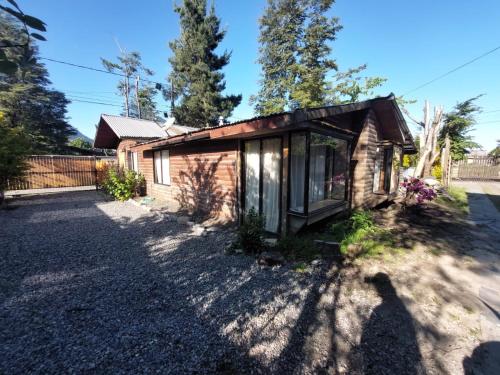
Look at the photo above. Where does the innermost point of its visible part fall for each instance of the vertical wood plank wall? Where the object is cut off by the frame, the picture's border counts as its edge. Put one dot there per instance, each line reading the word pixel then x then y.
pixel 53 171
pixel 477 168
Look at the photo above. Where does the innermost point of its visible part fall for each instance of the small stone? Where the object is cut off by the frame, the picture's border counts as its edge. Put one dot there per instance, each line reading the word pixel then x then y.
pixel 270 258
pixel 197 230
pixel 271 241
pixel 183 220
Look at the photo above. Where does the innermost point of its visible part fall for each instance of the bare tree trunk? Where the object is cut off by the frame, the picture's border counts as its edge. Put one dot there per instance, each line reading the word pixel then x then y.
pixel 127 89
pixel 137 97
pixel 429 150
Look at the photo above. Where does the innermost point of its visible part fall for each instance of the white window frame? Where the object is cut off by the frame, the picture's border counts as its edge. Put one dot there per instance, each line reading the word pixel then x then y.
pixel 161 174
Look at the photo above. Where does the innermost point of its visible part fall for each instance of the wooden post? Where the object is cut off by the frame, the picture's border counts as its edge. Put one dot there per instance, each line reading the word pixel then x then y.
pixel 95 173
pixel 138 103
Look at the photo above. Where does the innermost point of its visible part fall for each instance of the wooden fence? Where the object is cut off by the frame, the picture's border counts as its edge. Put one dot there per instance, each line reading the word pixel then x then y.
pixel 53 171
pixel 477 168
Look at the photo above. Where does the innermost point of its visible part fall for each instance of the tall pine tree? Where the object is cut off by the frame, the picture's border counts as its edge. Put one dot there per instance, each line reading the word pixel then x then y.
pixel 27 101
pixel 196 74
pixel 281 29
pixel 311 88
pixel 295 55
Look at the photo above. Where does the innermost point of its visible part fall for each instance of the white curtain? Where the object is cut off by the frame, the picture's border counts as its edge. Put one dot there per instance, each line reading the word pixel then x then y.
pixel 165 167
pixel 271 183
pixel 252 170
pixel 297 172
pixel 317 173
pixel 157 162
pixel 135 162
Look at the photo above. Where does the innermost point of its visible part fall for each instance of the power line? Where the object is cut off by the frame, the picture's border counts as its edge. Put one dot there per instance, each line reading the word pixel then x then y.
pixel 496 110
pixel 91 98
pixel 92 102
pixel 453 70
pixel 96 69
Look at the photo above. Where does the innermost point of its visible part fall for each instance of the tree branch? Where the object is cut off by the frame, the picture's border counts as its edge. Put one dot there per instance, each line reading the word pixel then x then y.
pixel 407 113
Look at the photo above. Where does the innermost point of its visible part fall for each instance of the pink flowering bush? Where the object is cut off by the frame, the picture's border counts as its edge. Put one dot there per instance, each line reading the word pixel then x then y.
pixel 415 188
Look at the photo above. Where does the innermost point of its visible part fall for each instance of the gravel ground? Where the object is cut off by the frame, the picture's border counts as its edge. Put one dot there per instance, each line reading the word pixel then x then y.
pixel 89 285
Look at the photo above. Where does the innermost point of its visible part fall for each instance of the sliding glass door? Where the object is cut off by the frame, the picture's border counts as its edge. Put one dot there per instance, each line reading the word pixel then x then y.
pixel 263 179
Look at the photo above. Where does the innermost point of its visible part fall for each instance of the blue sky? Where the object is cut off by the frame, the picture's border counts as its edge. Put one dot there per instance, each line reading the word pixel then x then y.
pixel 407 42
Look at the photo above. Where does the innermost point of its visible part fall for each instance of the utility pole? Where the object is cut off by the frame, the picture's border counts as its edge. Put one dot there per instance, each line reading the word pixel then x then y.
pixel 138 102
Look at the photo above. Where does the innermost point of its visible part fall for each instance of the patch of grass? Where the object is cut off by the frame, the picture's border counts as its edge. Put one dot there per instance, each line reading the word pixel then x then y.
pixel 359 230
pixel 459 201
pixel 300 268
pixel 299 247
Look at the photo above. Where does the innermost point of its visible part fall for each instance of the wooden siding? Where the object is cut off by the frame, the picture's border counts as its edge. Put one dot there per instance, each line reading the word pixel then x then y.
pixel 54 171
pixel 203 178
pixel 364 155
pixel 477 168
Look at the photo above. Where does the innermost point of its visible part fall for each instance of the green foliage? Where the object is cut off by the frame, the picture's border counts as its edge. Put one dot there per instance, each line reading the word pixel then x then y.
pixel 196 78
pixel 122 184
pixel 14 148
pixel 130 65
pixel 295 55
pixel 437 171
pixel 496 151
pixel 27 101
pixel 251 232
pixel 350 86
pixel 457 200
pixel 298 247
pixel 9 65
pixel 80 143
pixel 457 125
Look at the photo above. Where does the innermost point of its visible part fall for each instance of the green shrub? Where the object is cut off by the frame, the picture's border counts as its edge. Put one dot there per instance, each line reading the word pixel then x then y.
pixel 122 184
pixel 251 232
pixel 297 247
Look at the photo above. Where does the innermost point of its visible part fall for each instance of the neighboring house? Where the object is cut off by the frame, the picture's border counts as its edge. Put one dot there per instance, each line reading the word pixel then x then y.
pixel 295 168
pixel 121 133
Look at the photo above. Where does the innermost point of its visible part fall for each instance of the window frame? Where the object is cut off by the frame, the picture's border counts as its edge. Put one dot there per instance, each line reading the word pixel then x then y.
pixel 329 133
pixel 261 161
pixel 387 156
pixel 155 175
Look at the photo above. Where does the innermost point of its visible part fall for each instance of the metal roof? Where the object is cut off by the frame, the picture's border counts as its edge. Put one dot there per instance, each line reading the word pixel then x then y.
pixel 127 127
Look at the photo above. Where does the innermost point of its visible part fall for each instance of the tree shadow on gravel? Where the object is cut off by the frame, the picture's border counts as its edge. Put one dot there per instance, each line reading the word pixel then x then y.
pixel 103 287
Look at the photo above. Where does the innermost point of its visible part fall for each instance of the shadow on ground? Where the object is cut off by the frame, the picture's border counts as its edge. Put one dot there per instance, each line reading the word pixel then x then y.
pixel 90 285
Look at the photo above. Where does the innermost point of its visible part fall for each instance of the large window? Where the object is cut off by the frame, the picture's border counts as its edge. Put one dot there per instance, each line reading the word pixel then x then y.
pixel 263 179
pixel 132 161
pixel 387 164
pixel 297 171
pixel 324 181
pixel 162 167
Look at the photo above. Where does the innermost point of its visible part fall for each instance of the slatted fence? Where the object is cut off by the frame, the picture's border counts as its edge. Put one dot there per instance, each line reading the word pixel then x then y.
pixel 477 168
pixel 53 171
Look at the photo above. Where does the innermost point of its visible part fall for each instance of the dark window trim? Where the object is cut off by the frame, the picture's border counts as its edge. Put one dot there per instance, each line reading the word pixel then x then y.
pixel 261 171
pixel 328 133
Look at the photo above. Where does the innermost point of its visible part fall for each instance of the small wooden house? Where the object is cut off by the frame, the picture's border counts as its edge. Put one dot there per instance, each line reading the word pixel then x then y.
pixel 295 168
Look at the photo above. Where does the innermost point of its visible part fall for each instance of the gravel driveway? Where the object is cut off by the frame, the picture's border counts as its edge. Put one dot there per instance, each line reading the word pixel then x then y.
pixel 91 285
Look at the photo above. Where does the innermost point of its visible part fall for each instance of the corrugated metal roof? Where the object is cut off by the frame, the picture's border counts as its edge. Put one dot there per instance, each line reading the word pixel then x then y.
pixel 127 127
pixel 178 130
